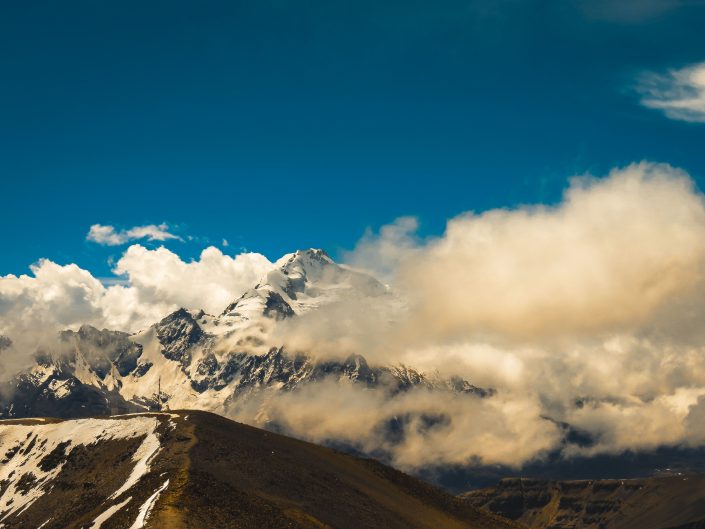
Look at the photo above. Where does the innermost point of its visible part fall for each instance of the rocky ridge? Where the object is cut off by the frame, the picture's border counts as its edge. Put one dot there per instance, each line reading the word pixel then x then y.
pixel 191 359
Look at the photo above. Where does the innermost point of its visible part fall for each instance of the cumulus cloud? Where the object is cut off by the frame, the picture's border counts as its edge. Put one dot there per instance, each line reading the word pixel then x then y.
pixel 590 307
pixel 382 253
pixel 620 254
pixel 679 93
pixel 55 297
pixel 161 277
pixel 608 257
pixel 109 236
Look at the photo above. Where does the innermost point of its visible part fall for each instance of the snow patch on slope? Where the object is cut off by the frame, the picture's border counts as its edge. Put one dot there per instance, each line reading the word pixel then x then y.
pixel 146 508
pixel 23 447
pixel 142 457
pixel 103 517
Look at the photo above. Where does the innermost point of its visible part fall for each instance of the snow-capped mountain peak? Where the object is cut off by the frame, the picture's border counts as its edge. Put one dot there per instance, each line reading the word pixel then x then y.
pixel 303 281
pixel 190 359
pixel 305 263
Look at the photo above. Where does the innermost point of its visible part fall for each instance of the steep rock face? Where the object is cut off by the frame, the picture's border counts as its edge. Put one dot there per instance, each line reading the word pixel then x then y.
pixel 80 377
pixel 275 307
pixel 198 470
pixel 61 395
pixel 177 333
pixel 279 369
pixel 101 350
pixel 663 502
pixel 5 342
pixel 270 303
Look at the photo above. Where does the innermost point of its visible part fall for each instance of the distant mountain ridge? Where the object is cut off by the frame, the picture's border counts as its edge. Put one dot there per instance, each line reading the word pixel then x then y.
pixel 671 501
pixel 194 360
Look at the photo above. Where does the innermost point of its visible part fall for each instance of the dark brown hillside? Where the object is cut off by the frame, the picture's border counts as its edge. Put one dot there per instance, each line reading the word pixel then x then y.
pixel 197 470
pixel 246 477
pixel 665 502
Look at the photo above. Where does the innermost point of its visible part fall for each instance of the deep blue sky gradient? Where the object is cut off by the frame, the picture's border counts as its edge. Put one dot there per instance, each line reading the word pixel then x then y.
pixel 282 124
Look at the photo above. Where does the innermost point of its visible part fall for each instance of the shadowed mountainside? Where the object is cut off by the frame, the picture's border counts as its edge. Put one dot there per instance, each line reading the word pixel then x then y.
pixel 194 469
pixel 664 502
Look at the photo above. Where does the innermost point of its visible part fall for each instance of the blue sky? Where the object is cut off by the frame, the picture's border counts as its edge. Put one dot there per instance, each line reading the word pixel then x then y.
pixel 278 125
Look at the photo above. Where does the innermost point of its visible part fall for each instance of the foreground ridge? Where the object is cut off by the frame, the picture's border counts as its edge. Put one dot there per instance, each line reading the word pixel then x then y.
pixel 199 470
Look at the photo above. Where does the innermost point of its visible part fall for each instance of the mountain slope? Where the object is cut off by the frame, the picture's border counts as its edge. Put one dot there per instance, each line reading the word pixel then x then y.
pixel 198 470
pixel 664 502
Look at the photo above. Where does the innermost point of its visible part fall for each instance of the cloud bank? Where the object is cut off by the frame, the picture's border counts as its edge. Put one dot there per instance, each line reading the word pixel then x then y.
pixel 434 428
pixel 584 316
pixel 109 236
pixel 679 93
pixel 612 254
pixel 587 314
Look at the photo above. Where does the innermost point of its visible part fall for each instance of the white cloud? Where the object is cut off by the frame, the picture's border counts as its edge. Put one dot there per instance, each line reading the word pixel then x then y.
pixel 109 236
pixel 610 257
pixel 54 295
pixel 161 277
pixel 679 94
pixel 383 252
pixel 595 301
pixel 157 281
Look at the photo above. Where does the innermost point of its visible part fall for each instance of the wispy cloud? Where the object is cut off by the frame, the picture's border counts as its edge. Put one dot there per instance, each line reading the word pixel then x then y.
pixel 679 93
pixel 109 236
pixel 630 11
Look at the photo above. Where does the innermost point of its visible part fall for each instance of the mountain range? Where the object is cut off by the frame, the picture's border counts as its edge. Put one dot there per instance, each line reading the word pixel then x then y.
pixel 195 360
pixel 116 389
pixel 223 363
